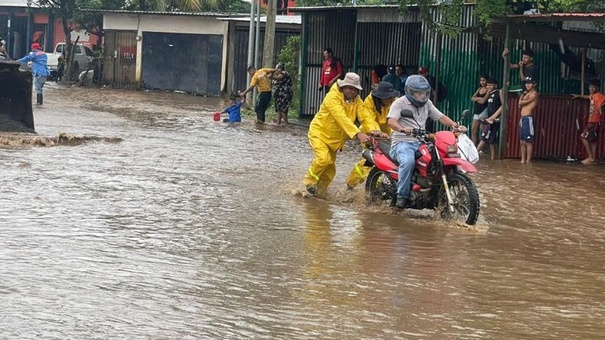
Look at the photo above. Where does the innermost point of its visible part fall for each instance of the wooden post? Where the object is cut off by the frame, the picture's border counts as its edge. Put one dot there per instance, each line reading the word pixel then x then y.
pixel 269 43
pixel 583 71
pixel 434 124
pixel 437 65
pixel 505 86
pixel 250 43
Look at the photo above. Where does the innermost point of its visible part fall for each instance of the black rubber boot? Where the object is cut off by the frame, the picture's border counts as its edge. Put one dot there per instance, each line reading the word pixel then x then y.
pixel 40 99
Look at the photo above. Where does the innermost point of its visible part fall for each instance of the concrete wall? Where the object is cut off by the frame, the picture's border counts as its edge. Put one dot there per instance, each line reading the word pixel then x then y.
pixel 167 24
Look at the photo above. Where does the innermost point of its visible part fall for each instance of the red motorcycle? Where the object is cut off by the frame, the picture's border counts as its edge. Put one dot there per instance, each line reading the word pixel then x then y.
pixel 439 182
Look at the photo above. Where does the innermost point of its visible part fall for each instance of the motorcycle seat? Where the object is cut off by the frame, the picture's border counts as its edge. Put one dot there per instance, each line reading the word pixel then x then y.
pixel 385 147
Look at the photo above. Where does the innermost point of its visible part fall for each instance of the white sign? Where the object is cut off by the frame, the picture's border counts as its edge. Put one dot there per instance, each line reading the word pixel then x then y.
pixel 84 37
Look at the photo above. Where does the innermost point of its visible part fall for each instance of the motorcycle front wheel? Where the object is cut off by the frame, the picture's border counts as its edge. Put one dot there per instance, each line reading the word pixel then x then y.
pixel 465 197
pixel 380 187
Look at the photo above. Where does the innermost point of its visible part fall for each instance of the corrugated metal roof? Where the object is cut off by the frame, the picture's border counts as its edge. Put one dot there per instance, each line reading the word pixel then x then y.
pixel 336 8
pixel 554 17
pixel 201 14
pixel 280 19
pixel 551 35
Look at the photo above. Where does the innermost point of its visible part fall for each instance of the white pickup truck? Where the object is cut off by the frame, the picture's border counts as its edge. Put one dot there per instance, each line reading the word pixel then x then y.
pixel 83 56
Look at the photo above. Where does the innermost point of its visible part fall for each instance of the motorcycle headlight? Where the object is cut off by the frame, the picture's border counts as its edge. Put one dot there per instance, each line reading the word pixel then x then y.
pixel 452 151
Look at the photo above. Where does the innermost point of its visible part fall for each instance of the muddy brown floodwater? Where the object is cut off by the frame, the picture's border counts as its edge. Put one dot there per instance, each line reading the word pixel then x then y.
pixel 159 223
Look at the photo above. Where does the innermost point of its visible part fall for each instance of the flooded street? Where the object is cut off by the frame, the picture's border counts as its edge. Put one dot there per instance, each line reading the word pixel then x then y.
pixel 163 224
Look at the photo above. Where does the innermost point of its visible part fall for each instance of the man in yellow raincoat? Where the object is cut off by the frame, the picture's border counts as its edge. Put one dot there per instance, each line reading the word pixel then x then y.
pixel 378 103
pixel 331 126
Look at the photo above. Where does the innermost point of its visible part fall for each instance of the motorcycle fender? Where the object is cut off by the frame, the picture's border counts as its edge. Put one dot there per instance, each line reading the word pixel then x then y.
pixel 369 157
pixel 465 165
pixel 384 163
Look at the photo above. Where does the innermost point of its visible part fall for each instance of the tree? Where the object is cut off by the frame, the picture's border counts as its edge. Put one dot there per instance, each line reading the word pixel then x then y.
pixel 92 22
pixel 167 5
pixel 189 5
pixel 64 9
pixel 487 10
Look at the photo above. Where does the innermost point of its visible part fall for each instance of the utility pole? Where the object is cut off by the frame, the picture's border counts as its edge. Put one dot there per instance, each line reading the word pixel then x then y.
pixel 257 41
pixel 250 42
pixel 505 87
pixel 269 46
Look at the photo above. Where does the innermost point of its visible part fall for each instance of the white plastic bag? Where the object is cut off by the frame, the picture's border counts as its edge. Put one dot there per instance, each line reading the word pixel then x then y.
pixel 467 149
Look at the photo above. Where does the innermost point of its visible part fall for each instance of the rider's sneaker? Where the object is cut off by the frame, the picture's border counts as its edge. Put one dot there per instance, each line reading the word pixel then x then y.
pixel 402 203
pixel 349 188
pixel 312 190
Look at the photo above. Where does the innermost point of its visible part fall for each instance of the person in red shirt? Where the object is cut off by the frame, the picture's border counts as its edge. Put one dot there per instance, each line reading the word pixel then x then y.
pixel 590 136
pixel 331 70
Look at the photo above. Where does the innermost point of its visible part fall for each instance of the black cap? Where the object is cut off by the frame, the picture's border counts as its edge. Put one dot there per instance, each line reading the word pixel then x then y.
pixel 530 80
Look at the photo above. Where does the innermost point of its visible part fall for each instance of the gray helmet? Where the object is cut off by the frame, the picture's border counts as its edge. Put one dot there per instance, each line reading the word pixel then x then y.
pixel 417 90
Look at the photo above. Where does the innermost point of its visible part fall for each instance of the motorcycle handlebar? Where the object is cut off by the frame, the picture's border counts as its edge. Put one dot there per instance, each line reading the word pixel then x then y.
pixel 422 132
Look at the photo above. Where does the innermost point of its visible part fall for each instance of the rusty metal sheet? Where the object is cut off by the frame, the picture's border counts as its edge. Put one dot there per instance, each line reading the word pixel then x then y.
pixel 558 123
pixel 119 68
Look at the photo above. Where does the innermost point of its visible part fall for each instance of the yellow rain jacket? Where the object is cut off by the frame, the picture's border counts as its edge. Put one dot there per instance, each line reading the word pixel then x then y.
pixel 379 117
pixel 335 120
pixel 331 126
pixel 359 172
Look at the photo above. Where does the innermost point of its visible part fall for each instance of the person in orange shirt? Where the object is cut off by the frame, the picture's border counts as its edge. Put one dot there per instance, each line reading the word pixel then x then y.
pixel 590 136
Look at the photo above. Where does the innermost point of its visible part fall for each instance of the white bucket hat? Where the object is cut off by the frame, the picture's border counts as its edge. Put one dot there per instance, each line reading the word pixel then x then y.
pixel 351 79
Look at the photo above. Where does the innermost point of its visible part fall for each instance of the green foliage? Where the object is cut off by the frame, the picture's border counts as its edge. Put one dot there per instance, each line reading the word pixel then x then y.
pixel 290 57
pixel 449 22
pixel 190 5
pixel 487 10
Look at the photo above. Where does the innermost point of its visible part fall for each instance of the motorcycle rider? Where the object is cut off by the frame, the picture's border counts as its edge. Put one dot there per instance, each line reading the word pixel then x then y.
pixel 330 128
pixel 403 147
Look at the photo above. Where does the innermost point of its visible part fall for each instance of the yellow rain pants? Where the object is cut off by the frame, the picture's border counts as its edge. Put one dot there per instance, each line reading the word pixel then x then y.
pixel 328 131
pixel 359 172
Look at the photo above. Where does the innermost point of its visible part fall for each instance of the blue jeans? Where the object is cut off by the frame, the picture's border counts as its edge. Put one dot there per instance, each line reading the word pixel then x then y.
pixel 404 154
pixel 39 83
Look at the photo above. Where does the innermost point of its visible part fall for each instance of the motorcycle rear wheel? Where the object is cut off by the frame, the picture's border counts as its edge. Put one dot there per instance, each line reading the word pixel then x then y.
pixel 380 187
pixel 466 200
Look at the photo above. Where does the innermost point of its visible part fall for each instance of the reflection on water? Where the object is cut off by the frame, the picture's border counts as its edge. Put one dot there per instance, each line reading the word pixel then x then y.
pixel 161 223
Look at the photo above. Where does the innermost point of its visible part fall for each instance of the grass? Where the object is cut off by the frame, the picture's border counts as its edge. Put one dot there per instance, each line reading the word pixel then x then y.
pixel 270 114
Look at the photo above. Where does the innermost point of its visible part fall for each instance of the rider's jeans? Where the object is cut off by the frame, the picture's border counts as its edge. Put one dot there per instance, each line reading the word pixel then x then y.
pixel 404 154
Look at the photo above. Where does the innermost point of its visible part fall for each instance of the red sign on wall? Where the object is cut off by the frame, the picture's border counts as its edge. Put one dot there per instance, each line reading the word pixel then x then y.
pixel 129 53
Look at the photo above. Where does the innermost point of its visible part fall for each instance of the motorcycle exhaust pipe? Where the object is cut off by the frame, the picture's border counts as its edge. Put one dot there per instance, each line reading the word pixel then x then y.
pixel 369 157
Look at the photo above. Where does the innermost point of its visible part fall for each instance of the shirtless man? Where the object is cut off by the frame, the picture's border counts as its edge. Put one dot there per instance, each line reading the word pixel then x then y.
pixel 527 103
